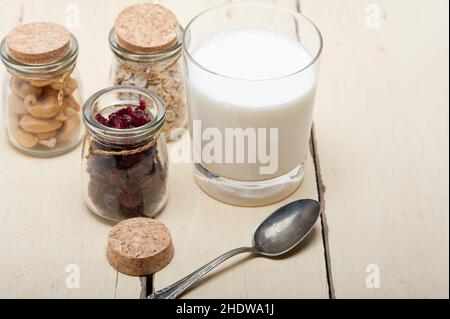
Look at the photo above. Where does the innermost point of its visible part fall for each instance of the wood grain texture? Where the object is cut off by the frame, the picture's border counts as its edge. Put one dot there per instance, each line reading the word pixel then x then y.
pixel 203 228
pixel 382 140
pixel 382 133
pixel 46 227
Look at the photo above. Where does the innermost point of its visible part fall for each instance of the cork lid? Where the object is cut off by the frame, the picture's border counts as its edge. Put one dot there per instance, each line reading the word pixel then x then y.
pixel 38 42
pixel 139 246
pixel 146 28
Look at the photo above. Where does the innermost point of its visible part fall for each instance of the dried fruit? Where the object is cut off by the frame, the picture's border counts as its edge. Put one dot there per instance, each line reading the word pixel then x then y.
pixel 100 119
pixel 127 185
pixel 126 118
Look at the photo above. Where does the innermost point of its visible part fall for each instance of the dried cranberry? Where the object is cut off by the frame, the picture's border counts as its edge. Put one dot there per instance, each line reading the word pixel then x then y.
pixel 128 161
pixel 94 190
pixel 122 124
pixel 100 119
pixel 113 121
pixel 131 203
pixel 115 177
pixel 149 183
pixel 125 111
pixel 140 118
pixel 110 201
pixel 126 117
pixel 137 172
pixel 101 163
pixel 142 105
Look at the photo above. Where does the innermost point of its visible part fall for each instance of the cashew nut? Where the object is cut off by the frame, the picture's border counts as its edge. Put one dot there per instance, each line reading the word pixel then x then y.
pixel 42 83
pixel 70 128
pixel 70 86
pixel 16 105
pixel 23 88
pixel 70 101
pixel 43 109
pixel 61 117
pixel 48 143
pixel 30 100
pixel 70 108
pixel 25 139
pixel 33 125
pixel 14 122
pixel 47 90
pixel 46 136
pixel 70 112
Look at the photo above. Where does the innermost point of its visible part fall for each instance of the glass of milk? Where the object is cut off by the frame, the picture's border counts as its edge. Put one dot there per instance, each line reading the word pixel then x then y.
pixel 251 80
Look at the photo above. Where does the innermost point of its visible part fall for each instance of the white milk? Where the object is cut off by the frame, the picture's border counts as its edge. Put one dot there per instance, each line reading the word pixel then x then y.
pixel 254 91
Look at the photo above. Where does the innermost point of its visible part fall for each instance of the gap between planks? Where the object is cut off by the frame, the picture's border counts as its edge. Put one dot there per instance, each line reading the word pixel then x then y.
pixel 321 196
pixel 323 218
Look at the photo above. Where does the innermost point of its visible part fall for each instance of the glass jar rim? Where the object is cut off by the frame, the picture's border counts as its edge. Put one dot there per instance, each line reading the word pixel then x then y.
pixel 41 70
pixel 279 8
pixel 144 57
pixel 134 134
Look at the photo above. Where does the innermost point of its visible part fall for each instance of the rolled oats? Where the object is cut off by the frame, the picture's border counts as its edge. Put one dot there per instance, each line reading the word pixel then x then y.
pixel 148 55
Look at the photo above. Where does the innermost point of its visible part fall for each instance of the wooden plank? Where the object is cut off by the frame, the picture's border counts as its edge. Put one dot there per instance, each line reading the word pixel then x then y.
pixel 382 135
pixel 46 227
pixel 48 231
pixel 203 228
pixel 187 10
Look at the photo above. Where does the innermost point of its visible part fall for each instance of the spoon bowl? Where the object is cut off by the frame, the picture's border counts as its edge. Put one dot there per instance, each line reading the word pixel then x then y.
pixel 286 227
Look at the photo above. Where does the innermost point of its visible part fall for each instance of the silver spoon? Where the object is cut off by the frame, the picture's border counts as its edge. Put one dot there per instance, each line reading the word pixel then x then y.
pixel 275 236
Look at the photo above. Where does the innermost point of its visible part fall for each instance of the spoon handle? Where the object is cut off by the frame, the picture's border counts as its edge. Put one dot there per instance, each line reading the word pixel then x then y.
pixel 172 291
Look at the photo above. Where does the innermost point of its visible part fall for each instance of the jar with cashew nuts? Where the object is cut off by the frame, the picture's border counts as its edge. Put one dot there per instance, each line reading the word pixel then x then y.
pixel 42 92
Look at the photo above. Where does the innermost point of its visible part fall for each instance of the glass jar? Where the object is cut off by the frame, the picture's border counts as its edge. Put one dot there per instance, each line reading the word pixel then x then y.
pixel 161 72
pixel 42 103
pixel 252 77
pixel 125 171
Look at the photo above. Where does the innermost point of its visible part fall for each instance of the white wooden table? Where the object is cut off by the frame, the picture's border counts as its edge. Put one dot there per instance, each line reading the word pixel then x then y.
pixel 379 167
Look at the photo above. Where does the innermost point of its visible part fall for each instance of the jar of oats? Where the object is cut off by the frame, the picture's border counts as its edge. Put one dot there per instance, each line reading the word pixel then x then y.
pixel 146 43
pixel 42 90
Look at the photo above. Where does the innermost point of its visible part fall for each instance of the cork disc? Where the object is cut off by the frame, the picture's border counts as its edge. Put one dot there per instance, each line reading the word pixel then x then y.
pixel 146 27
pixel 38 42
pixel 139 246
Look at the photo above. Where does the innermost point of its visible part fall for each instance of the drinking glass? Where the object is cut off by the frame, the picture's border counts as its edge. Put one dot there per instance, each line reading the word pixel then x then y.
pixel 251 132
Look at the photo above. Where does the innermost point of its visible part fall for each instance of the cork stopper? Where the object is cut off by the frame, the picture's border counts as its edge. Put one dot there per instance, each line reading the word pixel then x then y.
pixel 139 246
pixel 146 28
pixel 38 42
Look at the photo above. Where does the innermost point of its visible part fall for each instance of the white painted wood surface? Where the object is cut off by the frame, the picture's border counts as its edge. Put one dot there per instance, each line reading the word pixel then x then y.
pixel 46 226
pixel 382 132
pixel 382 138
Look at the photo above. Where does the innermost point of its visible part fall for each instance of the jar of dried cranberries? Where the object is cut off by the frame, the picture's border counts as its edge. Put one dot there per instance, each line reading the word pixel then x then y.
pixel 125 162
